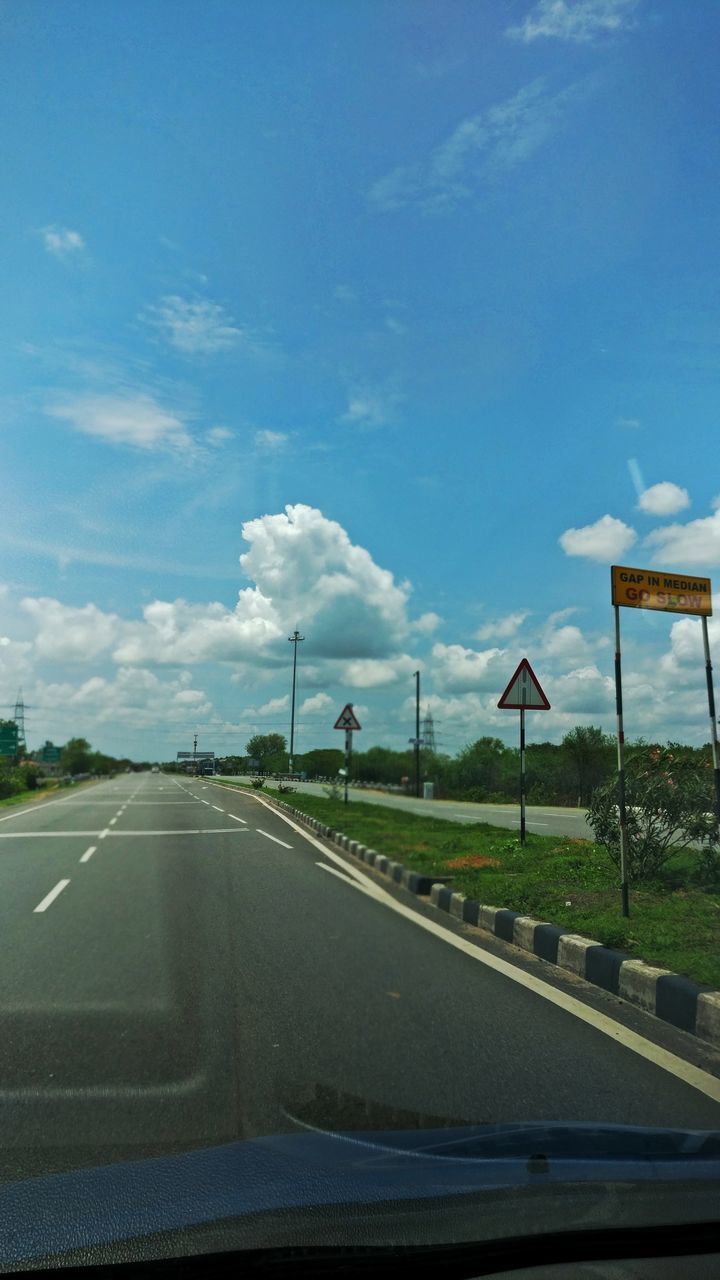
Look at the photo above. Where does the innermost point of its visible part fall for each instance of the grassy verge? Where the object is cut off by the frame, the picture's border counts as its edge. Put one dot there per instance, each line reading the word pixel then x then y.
pixel 675 921
pixel 42 793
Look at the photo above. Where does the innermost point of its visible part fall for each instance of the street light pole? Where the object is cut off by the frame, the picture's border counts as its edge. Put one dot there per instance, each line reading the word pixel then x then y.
pixel 294 640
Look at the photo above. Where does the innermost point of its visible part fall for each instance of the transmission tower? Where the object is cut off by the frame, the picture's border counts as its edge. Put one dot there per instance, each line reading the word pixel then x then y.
pixel 19 718
pixel 428 733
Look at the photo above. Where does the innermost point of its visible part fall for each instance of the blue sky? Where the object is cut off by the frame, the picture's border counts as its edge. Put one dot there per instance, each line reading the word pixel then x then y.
pixel 410 305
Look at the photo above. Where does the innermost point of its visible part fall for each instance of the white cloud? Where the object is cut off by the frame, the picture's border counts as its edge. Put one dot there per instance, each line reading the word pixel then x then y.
pixel 606 540
pixel 584 691
pixel 218 435
pixel 67 634
pixel 395 326
pixel 123 419
pixel 566 644
pixel 426 623
pixel 456 669
pixel 663 499
pixel 695 545
pixel 479 147
pixel 375 673
pixel 307 569
pixel 271 441
pixel 194 327
pixel 685 661
pixel 178 633
pixel 272 707
pixel 629 424
pixel 61 241
pixel 501 628
pixel 576 20
pixel 133 697
pixel 318 702
pixel 371 408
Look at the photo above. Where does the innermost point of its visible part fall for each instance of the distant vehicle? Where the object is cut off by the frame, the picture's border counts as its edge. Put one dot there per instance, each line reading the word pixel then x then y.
pixel 155 769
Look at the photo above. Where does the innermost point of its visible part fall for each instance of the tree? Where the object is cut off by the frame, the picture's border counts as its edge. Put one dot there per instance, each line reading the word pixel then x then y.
pixel 590 757
pixel 266 748
pixel 669 803
pixel 76 756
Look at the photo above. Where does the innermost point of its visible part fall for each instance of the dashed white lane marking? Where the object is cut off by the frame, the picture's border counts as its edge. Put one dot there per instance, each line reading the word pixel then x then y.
pixel 113 821
pixel 217 806
pixel 51 896
pixel 234 815
pixel 88 853
pixel 205 802
pixel 284 843
pixel 104 833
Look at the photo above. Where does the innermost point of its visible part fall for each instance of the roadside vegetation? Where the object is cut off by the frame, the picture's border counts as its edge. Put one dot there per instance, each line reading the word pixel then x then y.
pixel 486 771
pixel 675 906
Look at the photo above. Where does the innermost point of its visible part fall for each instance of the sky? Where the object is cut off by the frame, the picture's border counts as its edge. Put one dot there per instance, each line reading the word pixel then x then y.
pixel 392 321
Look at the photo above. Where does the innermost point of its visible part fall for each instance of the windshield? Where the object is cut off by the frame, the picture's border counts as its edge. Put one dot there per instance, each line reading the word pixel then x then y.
pixel 359 782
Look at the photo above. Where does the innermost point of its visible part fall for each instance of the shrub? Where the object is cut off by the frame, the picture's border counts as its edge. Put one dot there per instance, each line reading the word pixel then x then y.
pixel 669 805
pixel 257 784
pixel 285 790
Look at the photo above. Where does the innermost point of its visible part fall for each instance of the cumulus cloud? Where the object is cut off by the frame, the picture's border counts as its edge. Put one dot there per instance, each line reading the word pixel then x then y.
pixel 317 702
pixel 125 419
pixel 132 697
pixel 692 545
pixel 374 673
pixel 194 326
pixel 478 148
pixel 459 670
pixel 663 499
pixel 501 628
pixel 426 623
pixel 566 644
pixel 67 634
pixel 606 540
pixel 579 21
pixel 62 241
pixel 584 691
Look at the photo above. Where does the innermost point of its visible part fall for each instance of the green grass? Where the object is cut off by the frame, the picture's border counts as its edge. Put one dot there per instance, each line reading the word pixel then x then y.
pixel 40 793
pixel 674 922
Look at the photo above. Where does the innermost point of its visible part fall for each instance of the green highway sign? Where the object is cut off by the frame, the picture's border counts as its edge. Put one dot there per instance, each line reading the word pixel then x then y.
pixel 8 738
pixel 49 754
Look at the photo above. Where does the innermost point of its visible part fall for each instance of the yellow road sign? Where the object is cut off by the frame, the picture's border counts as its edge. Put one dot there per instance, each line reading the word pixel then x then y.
pixel 668 592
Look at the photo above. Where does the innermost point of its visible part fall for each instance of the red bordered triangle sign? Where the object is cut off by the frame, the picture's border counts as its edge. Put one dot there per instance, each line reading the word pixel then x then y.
pixel 347 719
pixel 524 692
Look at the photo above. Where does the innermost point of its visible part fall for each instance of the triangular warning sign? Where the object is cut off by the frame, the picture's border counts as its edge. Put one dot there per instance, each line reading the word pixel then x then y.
pixel 524 692
pixel 347 719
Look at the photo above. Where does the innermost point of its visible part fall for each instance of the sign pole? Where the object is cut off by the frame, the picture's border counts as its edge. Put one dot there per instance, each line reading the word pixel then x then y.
pixel 417 733
pixel 713 721
pixel 348 753
pixel 621 770
pixel 522 775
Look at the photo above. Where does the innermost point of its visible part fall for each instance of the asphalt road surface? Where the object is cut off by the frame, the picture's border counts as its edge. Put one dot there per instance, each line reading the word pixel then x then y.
pixel 543 820
pixel 181 967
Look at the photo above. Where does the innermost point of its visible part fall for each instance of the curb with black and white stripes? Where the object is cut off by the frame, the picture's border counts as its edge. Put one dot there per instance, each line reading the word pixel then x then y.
pixel 667 995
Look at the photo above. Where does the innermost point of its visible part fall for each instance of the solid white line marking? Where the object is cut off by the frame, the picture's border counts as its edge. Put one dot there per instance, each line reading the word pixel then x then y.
pixel 51 896
pixel 88 853
pixel 269 837
pixel 234 815
pixel 334 872
pixel 669 1062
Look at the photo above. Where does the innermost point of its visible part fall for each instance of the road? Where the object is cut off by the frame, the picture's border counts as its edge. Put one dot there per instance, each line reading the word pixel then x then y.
pixel 183 967
pixel 542 819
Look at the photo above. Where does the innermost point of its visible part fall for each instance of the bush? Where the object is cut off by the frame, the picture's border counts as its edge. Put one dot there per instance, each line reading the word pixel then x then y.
pixel 285 790
pixel 257 784
pixel 669 802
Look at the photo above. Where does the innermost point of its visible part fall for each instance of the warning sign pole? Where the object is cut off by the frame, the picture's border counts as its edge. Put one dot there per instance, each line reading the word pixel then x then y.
pixel 348 754
pixel 622 808
pixel 713 721
pixel 523 693
pixel 522 775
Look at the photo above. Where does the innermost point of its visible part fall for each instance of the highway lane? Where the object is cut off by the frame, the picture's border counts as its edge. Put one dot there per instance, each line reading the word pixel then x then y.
pixel 210 973
pixel 542 819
